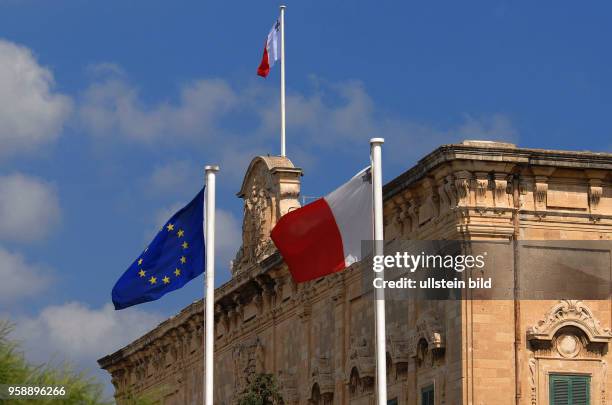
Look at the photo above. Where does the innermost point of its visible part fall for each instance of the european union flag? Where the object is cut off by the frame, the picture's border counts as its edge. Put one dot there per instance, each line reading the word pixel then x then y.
pixel 175 256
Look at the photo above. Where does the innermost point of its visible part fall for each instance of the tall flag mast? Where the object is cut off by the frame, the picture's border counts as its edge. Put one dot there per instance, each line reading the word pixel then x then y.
pixel 180 251
pixel 325 237
pixel 274 50
pixel 380 321
pixel 282 85
pixel 209 319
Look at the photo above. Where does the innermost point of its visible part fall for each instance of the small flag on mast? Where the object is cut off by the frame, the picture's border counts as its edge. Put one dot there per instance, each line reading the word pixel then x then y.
pixel 271 52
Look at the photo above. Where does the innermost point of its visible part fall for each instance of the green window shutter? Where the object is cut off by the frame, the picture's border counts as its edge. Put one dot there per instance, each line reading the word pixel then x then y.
pixel 427 395
pixel 559 390
pixel 569 389
pixel 580 390
pixel 392 401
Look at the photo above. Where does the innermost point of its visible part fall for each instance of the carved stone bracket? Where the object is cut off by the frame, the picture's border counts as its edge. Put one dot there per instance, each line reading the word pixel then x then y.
pixel 481 183
pixel 445 201
pixel 462 185
pixel 304 304
pixel 540 192
pixel 451 191
pixel 400 218
pixel 413 212
pixel 595 193
pixel 502 184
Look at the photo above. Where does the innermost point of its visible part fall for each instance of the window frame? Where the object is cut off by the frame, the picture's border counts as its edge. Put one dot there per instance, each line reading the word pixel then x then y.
pixel 428 388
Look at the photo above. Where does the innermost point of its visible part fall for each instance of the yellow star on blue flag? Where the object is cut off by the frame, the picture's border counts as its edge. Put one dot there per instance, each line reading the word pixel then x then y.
pixel 174 257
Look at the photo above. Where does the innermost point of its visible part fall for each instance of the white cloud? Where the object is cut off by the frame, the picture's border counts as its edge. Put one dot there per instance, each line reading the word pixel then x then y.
pixel 338 116
pixel 105 69
pixel 173 176
pixel 31 112
pixel 344 116
pixel 20 278
pixel 113 106
pixel 29 207
pixel 81 334
pixel 493 127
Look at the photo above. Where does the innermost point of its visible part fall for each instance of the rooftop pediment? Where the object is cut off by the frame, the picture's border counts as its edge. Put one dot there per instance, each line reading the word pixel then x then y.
pixel 270 189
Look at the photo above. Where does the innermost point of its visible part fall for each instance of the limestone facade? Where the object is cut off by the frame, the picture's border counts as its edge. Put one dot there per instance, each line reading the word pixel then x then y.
pixel 317 337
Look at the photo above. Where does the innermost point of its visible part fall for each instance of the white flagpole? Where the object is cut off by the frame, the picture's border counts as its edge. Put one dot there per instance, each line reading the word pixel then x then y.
pixel 381 342
pixel 282 86
pixel 209 319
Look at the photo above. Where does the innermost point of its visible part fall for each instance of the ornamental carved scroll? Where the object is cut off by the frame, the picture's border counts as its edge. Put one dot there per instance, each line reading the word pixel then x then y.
pixel 270 189
pixel 569 313
pixel 257 220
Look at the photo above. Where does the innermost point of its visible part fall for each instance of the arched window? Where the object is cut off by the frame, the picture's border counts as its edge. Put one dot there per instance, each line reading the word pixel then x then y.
pixel 354 382
pixel 315 395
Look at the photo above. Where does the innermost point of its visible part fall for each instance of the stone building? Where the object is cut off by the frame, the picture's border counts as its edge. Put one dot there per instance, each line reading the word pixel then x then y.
pixel 317 337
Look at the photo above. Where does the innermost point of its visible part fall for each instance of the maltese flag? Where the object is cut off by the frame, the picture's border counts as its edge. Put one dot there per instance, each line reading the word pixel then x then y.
pixel 325 236
pixel 271 51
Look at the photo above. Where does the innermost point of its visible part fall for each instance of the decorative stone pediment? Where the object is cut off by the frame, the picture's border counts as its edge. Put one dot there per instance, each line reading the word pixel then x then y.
pixel 270 189
pixel 360 370
pixel 360 358
pixel 429 330
pixel 322 376
pixel 398 345
pixel 569 313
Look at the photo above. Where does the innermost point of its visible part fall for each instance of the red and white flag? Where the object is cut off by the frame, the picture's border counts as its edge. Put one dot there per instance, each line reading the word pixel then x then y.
pixel 271 51
pixel 325 236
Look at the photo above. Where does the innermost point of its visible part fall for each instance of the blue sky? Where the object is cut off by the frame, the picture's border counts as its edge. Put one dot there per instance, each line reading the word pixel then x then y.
pixel 109 111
